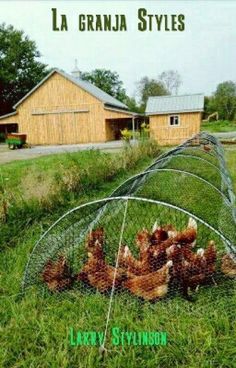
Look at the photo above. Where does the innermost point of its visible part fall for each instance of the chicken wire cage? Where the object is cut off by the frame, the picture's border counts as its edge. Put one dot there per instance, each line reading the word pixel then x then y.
pixel 166 234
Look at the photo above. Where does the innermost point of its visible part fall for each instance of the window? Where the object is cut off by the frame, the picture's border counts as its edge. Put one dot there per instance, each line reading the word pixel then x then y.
pixel 174 120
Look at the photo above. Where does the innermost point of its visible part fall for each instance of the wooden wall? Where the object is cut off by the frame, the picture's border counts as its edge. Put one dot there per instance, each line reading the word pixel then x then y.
pixel 173 135
pixel 48 117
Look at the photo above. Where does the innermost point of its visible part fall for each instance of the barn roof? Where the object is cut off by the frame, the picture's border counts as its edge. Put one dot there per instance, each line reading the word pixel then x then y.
pixel 157 105
pixel 87 86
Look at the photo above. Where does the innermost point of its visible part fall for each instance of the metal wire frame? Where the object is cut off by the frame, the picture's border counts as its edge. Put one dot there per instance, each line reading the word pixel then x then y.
pixel 139 180
pixel 182 172
pixel 103 202
pixel 179 151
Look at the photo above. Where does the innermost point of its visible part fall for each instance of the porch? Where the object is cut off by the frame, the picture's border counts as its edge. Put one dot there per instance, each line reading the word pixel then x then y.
pixel 116 125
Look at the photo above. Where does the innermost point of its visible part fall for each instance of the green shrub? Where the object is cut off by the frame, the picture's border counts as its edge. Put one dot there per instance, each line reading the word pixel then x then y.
pixel 2 137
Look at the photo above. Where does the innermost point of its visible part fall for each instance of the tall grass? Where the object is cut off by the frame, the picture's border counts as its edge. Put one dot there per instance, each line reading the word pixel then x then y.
pixel 30 190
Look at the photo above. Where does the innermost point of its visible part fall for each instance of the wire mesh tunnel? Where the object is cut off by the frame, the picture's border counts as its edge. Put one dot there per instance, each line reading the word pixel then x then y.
pixel 162 234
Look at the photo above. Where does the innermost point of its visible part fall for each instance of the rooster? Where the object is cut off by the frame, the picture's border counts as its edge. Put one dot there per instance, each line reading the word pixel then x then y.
pixel 57 275
pixel 96 272
pixel 228 265
pixel 151 286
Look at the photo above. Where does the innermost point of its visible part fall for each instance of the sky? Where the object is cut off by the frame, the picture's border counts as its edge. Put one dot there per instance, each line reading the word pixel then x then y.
pixel 204 54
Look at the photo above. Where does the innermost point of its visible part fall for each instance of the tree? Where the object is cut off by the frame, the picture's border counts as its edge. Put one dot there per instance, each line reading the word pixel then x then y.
pixel 108 81
pixel 132 104
pixel 20 70
pixel 150 87
pixel 224 100
pixel 171 80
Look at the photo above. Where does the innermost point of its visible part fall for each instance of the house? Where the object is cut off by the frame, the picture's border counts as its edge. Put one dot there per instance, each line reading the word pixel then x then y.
pixel 173 119
pixel 64 109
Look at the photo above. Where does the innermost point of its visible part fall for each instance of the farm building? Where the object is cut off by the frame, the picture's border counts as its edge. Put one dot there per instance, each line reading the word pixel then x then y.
pixel 64 109
pixel 173 119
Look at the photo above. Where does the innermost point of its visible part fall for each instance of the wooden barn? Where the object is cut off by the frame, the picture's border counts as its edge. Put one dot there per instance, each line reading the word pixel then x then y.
pixel 173 119
pixel 64 109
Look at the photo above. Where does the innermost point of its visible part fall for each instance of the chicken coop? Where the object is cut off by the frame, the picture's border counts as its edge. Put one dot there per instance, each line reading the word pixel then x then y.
pixel 164 238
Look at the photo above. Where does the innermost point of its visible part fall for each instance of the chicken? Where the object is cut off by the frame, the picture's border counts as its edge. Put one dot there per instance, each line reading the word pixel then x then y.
pixel 152 253
pixel 129 262
pixel 210 255
pixel 207 147
pixel 192 269
pixel 101 276
pixel 94 238
pixel 228 265
pixel 57 275
pixel 158 253
pixel 143 241
pixel 161 233
pixel 187 236
pixel 171 231
pixel 151 286
pixel 163 238
pixel 96 272
pixel 140 265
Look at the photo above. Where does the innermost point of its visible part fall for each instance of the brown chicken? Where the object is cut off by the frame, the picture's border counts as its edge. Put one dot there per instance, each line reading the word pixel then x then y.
pixel 161 233
pixel 228 266
pixel 192 269
pixel 207 147
pixel 153 247
pixel 151 286
pixel 95 237
pixel 96 272
pixel 158 252
pixel 140 265
pixel 187 236
pixel 57 274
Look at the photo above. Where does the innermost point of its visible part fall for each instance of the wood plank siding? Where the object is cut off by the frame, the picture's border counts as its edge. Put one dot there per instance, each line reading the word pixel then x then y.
pixel 165 134
pixel 44 117
pixel 60 112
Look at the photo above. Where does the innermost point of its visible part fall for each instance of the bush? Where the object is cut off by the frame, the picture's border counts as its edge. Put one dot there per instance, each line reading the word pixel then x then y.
pixel 2 137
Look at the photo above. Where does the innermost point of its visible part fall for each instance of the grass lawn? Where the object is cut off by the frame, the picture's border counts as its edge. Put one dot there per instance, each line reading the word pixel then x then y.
pixel 219 126
pixel 34 330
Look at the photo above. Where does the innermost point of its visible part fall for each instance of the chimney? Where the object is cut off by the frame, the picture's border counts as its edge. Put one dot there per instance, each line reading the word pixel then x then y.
pixel 76 72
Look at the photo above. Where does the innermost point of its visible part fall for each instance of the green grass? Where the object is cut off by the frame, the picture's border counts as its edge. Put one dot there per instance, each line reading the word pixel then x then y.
pixel 34 330
pixel 219 126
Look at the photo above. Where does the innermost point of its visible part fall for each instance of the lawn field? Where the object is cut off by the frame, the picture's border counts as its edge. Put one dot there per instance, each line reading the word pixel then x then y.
pixel 219 126
pixel 35 328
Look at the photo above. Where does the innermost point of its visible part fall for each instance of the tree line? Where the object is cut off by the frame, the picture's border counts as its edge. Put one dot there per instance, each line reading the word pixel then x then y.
pixel 21 70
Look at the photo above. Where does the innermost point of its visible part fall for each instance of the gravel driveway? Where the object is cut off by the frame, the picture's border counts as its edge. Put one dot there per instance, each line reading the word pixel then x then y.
pixel 7 155
pixel 225 135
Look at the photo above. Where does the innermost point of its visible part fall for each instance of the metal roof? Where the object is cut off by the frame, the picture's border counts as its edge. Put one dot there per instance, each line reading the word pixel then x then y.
pixel 157 105
pixel 88 87
pixel 9 114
